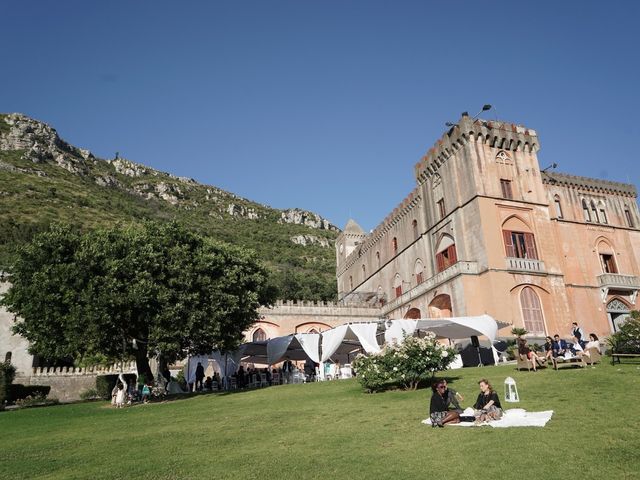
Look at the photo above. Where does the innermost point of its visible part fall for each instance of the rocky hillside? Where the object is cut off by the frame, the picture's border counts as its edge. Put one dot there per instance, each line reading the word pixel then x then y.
pixel 44 179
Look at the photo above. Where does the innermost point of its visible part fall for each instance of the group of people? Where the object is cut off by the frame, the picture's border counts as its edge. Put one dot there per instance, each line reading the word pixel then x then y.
pixel 123 394
pixel 445 405
pixel 557 347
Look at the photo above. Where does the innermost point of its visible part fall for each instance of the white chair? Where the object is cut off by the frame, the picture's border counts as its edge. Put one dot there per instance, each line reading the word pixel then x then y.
pixel 275 379
pixel 263 380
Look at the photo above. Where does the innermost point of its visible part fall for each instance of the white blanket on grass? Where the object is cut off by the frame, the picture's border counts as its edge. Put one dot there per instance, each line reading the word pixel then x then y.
pixel 514 417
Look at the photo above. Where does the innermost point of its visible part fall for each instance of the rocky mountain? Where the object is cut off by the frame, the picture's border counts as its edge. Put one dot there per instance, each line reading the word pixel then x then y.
pixel 44 179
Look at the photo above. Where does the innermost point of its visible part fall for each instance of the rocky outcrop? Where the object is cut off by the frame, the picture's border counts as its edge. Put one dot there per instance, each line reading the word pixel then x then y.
pixel 165 191
pixel 309 240
pixel 303 217
pixel 242 211
pixel 129 168
pixel 41 143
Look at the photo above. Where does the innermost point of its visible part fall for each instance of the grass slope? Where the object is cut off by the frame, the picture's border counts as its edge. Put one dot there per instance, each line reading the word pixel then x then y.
pixel 33 195
pixel 333 430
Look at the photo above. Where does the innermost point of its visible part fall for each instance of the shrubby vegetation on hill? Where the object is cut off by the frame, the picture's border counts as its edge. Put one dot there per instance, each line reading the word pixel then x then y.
pixel 47 181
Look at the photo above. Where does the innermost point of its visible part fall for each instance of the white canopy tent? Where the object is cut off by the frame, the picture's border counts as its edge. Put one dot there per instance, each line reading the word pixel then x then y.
pixel 347 338
pixel 452 327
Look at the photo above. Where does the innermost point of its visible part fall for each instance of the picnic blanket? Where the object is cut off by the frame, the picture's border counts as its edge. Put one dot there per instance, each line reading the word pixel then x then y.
pixel 514 417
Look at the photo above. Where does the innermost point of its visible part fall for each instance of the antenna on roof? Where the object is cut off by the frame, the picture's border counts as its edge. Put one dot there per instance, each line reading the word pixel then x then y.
pixel 553 166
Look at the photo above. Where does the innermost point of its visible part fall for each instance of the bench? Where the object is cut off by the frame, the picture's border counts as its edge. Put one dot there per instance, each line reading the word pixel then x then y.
pixel 618 356
pixel 576 361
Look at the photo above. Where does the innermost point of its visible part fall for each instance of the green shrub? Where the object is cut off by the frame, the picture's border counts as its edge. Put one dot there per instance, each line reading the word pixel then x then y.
pixel 17 392
pixel 36 400
pixel 105 383
pixel 7 374
pixel 627 338
pixel 89 394
pixel 408 364
pixel 519 331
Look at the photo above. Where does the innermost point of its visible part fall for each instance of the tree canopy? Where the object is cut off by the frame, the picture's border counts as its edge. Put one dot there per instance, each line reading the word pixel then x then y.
pixel 134 291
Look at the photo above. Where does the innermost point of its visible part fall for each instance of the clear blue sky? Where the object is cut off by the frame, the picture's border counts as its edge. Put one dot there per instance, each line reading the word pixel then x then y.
pixel 324 105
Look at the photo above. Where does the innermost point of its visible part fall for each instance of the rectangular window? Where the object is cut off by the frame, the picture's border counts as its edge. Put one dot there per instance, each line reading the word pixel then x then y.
pixel 418 278
pixel 398 291
pixel 505 185
pixel 608 264
pixel 441 210
pixel 520 245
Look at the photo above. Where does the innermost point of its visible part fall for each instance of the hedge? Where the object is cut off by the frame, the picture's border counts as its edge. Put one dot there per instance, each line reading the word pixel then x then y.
pixel 105 383
pixel 7 374
pixel 19 392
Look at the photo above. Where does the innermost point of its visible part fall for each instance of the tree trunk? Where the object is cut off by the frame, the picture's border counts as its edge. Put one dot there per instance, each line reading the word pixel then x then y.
pixel 142 364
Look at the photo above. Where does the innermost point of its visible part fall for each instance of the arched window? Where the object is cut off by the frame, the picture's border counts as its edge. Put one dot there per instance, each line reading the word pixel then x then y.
pixel 446 254
pixel 7 357
pixel 594 210
pixel 629 217
pixel 585 210
pixel 603 213
pixel 414 226
pixel 438 196
pixel 364 273
pixel 519 241
pixel 418 271
pixel 381 297
pixel 556 201
pixel 394 246
pixel 378 259
pixel 607 257
pixel 531 311
pixel 259 335
pixel 397 285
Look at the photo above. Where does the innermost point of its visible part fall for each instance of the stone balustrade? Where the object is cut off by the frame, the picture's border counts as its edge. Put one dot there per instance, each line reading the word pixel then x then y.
pixel 459 268
pixel 617 280
pixel 525 265
pixel 127 367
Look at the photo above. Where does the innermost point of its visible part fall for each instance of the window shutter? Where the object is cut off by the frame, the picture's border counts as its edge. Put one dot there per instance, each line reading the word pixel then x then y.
pixel 508 243
pixel 440 262
pixel 530 245
pixel 453 258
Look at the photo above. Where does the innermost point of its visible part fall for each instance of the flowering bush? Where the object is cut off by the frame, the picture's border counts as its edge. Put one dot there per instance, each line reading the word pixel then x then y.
pixel 407 364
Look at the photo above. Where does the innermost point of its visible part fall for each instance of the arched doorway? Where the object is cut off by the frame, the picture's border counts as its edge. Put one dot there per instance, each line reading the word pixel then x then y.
pixel 440 307
pixel 618 313
pixel 413 313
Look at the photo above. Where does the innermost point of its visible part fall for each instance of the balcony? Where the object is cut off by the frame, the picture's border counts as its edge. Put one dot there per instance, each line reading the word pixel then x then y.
pixel 527 265
pixel 458 268
pixel 618 281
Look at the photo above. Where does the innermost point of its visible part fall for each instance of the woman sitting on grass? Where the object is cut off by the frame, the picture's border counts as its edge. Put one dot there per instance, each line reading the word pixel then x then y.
pixel 439 409
pixel 487 406
pixel 525 352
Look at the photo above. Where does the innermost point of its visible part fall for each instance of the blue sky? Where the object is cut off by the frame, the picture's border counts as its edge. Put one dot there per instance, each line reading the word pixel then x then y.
pixel 324 105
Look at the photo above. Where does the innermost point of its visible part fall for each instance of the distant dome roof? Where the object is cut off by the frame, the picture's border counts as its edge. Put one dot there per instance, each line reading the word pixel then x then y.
pixel 353 227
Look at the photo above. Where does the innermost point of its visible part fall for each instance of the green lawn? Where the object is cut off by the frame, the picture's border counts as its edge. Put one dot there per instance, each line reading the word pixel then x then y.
pixel 333 430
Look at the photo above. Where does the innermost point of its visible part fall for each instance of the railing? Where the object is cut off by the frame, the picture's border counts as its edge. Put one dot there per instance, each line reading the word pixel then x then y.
pixel 93 370
pixel 525 265
pixel 617 280
pixel 459 268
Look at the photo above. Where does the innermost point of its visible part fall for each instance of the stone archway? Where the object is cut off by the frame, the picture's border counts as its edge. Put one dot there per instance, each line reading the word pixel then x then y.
pixel 413 313
pixel 440 307
pixel 618 312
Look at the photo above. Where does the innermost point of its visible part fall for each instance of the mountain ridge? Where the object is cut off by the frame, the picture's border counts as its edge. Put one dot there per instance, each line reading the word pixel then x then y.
pixel 44 179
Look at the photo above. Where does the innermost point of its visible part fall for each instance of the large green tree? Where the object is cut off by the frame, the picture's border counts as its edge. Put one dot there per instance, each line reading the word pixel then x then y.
pixel 133 292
